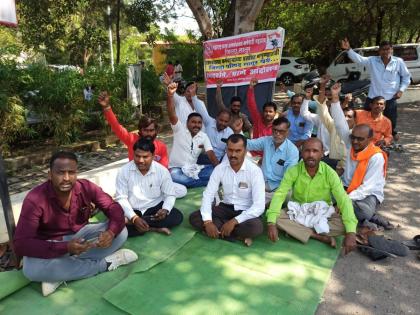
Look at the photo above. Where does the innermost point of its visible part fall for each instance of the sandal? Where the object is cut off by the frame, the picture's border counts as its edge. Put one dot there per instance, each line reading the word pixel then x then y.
pixel 413 244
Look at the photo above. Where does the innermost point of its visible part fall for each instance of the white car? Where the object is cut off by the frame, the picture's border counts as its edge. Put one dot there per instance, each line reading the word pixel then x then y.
pixel 292 69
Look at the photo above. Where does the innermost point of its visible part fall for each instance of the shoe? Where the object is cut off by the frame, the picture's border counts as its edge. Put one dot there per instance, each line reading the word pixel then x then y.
pixel 121 257
pixel 50 287
pixel 379 220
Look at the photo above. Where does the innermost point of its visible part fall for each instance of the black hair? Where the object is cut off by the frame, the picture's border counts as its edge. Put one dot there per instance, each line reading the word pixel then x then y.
pixel 224 111
pixel 385 43
pixel 235 99
pixel 236 137
pixel 144 144
pixel 297 95
pixel 377 98
pixel 188 84
pixel 281 120
pixel 145 121
pixel 62 155
pixel 270 104
pixel 317 140
pixel 194 114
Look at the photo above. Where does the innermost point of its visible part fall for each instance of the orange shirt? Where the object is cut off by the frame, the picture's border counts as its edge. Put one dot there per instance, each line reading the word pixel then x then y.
pixel 382 128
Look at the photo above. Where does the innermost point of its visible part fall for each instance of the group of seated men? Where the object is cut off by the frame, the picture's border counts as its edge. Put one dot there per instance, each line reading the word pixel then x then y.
pixel 299 192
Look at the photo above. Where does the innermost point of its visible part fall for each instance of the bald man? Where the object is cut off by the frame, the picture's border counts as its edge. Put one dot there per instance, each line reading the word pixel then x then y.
pixel 312 180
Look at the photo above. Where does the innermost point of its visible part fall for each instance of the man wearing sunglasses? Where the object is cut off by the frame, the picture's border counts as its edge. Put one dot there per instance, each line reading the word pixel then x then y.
pixel 365 167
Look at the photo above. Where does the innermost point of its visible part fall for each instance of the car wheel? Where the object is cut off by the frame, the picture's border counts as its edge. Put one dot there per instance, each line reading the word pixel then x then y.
pixel 287 79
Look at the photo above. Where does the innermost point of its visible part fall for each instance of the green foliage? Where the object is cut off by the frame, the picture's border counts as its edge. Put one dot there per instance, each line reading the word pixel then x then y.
pixel 152 89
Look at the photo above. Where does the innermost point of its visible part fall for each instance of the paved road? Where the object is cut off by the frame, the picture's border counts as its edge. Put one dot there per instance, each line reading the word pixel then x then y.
pixel 391 286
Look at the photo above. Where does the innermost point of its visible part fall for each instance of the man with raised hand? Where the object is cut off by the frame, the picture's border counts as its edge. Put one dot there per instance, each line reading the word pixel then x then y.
pixel 54 235
pixel 189 141
pixel 145 191
pixel 239 121
pixel 365 167
pixel 312 180
pixel 389 77
pixel 237 216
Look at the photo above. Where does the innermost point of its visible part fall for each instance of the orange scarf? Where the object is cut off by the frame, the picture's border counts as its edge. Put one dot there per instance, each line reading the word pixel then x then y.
pixel 363 159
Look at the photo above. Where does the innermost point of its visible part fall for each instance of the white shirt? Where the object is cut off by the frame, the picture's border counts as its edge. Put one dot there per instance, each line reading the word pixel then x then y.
pixel 245 190
pixel 322 133
pixel 182 108
pixel 141 192
pixel 178 71
pixel 374 180
pixel 186 149
pixel 214 135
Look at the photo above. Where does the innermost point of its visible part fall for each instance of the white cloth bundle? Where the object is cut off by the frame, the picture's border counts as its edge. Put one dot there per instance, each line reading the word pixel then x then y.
pixel 192 170
pixel 313 215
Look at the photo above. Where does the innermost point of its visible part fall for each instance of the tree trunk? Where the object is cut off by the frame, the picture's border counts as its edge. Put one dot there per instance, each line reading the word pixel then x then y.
pixel 229 23
pixel 117 31
pixel 246 14
pixel 202 18
pixel 379 25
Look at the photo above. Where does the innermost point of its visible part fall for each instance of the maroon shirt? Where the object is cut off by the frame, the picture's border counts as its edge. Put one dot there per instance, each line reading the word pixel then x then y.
pixel 43 218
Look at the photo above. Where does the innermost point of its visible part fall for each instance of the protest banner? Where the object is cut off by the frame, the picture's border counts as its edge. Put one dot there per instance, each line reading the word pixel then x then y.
pixel 237 59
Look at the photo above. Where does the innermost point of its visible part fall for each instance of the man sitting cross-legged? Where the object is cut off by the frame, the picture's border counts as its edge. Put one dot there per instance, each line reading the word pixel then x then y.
pixel 145 191
pixel 365 168
pixel 53 233
pixel 237 216
pixel 312 180
pixel 189 141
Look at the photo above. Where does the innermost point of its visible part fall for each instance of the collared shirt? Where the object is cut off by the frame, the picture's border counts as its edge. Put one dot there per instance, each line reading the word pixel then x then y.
pixel 141 192
pixel 243 189
pixel 300 129
pixel 129 139
pixel 43 218
pixel 182 108
pixel 186 149
pixel 259 128
pixel 276 161
pixel 306 189
pixel 374 180
pixel 384 81
pixel 233 116
pixel 381 126
pixel 215 136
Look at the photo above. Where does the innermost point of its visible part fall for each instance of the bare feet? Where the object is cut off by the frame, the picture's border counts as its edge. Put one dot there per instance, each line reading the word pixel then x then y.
pixel 164 230
pixel 248 242
pixel 325 239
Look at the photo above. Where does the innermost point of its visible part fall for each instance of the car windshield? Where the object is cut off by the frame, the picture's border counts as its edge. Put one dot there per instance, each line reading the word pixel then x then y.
pixel 301 61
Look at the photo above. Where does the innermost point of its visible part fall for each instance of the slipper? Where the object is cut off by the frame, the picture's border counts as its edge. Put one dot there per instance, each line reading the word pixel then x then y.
pixel 413 244
pixel 373 253
pixel 390 246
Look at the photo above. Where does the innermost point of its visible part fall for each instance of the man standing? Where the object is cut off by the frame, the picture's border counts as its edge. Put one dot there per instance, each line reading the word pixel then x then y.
pixel 178 71
pixel 279 155
pixel 237 216
pixel 365 168
pixel 312 180
pixel 300 128
pixel 235 112
pixel 53 233
pixel 389 77
pixel 189 141
pixel 145 191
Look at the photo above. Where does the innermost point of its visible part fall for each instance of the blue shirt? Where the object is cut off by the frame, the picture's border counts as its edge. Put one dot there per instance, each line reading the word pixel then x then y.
pixel 215 136
pixel 300 129
pixel 384 81
pixel 276 161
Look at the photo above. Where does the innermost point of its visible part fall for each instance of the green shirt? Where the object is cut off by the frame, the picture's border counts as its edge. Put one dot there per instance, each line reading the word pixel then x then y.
pixel 307 189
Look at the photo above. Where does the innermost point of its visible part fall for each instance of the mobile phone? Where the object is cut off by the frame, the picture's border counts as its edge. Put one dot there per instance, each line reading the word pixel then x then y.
pixel 91 240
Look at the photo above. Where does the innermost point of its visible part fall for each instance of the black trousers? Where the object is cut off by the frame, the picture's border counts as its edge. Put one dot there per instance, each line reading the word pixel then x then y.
pixel 223 213
pixel 174 218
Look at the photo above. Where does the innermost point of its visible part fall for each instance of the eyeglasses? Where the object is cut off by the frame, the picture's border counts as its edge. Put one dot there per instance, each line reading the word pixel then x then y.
pixel 358 139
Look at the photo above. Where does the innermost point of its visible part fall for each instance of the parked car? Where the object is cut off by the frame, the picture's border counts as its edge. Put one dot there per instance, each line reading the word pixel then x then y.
pixel 292 69
pixel 343 68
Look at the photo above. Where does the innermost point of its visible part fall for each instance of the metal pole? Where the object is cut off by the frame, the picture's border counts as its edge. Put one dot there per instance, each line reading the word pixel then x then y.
pixel 110 37
pixel 6 207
